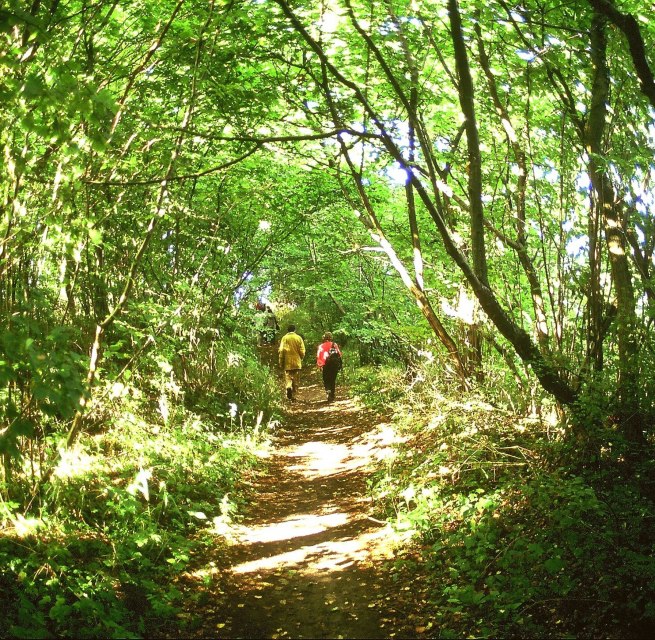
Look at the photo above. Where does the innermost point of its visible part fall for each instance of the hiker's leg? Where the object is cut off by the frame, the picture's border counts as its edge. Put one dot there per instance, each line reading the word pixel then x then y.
pixel 326 378
pixel 325 373
pixel 288 382
pixel 330 381
pixel 294 374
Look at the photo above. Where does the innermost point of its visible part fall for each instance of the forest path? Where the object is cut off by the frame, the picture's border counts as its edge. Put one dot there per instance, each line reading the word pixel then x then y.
pixel 308 560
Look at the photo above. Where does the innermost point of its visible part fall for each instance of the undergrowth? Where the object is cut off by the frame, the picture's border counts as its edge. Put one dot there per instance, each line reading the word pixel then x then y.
pixel 516 538
pixel 97 550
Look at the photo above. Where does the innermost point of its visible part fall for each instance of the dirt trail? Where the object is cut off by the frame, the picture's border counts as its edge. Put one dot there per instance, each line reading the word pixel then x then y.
pixel 307 561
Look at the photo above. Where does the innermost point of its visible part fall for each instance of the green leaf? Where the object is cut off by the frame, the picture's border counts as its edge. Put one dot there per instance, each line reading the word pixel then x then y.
pixel 34 87
pixel 553 565
pixel 95 236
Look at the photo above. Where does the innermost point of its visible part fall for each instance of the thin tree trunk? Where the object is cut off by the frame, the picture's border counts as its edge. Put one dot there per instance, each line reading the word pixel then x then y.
pixel 609 210
pixel 467 104
pixel 521 243
pixel 145 242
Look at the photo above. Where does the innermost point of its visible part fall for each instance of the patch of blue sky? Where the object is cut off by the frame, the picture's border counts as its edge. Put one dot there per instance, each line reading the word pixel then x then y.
pixel 265 292
pixel 578 248
pixel 357 148
pixel 568 224
pixel 387 28
pixel 243 290
pixel 614 172
pixel 347 137
pixel 397 175
pixel 526 55
pixel 545 172
pixel 644 204
pixel 442 145
pixel 552 175
pixel 583 183
pixel 400 131
pixel 415 22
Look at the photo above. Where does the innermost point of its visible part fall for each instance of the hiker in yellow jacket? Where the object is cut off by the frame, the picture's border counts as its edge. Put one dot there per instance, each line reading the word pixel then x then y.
pixel 291 353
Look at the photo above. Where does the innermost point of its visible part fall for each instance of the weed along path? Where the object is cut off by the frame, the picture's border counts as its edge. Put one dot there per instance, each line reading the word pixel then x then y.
pixel 308 559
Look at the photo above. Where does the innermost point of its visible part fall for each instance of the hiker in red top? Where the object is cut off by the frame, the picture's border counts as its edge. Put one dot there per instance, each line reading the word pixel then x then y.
pixel 328 360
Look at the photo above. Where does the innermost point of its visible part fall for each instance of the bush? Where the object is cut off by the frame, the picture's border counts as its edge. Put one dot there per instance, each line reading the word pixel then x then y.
pixel 515 544
pixel 125 510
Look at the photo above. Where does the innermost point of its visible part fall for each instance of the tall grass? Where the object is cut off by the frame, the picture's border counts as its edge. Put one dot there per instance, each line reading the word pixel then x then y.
pixel 95 552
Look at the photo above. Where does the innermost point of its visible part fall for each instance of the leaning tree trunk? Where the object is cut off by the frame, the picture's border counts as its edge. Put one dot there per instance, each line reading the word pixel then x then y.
pixel 550 377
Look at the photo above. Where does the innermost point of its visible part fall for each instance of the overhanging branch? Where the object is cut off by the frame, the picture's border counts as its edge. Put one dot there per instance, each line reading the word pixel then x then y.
pixel 168 179
pixel 627 23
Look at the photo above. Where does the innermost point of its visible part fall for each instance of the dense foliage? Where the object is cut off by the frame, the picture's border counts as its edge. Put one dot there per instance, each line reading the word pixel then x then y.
pixel 515 537
pixel 460 189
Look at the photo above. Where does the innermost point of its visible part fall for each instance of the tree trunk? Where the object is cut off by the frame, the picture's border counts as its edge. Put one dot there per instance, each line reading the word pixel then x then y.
pixel 466 100
pixel 609 210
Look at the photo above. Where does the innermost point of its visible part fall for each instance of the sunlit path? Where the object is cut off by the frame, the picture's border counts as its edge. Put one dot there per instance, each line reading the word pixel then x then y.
pixel 307 560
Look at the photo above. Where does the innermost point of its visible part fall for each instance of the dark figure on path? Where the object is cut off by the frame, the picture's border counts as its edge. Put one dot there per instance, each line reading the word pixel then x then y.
pixel 328 360
pixel 266 323
pixel 271 326
pixel 291 352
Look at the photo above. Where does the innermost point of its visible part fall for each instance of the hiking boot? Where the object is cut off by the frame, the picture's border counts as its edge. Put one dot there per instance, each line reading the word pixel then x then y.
pixel 331 396
pixel 327 396
pixel 288 394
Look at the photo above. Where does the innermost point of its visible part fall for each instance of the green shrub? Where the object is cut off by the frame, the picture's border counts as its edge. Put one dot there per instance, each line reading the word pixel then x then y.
pixel 516 545
pixel 125 511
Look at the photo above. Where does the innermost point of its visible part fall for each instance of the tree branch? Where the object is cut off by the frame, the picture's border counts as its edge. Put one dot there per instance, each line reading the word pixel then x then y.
pixel 628 25
pixel 169 178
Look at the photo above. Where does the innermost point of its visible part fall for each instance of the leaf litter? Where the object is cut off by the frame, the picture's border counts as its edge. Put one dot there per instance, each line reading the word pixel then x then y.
pixel 309 560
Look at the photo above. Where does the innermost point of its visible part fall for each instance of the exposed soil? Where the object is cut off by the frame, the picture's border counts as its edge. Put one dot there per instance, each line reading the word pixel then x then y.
pixel 308 560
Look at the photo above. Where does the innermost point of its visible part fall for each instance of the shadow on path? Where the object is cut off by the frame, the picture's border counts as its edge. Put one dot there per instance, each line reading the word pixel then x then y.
pixel 307 561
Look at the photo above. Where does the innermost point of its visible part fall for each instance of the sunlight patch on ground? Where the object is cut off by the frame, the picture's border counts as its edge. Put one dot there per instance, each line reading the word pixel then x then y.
pixel 73 463
pixel 317 408
pixel 331 555
pixel 343 406
pixel 294 527
pixel 386 434
pixel 321 459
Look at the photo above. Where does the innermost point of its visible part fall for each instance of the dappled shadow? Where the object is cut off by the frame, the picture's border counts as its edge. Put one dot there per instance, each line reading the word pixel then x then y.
pixel 307 560
pixel 328 605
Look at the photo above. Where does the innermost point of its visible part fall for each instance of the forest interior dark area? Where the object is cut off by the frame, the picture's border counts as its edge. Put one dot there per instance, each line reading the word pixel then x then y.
pixel 461 192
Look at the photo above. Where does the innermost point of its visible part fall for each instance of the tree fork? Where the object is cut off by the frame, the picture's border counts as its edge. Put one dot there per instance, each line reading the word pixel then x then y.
pixel 630 28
